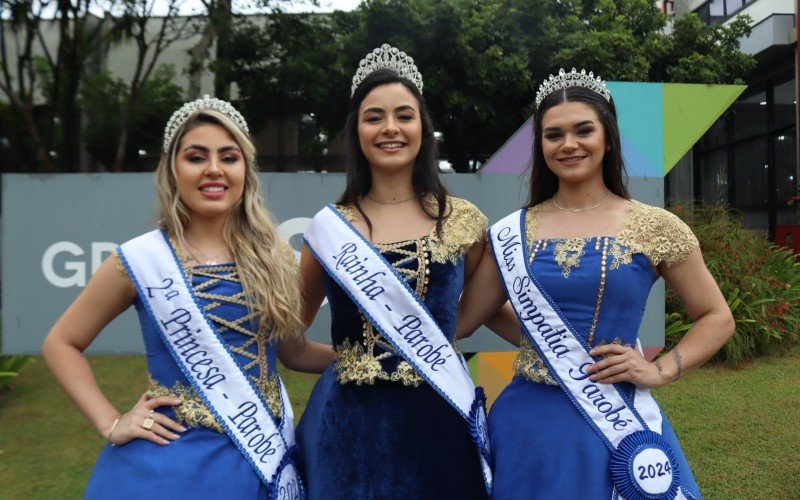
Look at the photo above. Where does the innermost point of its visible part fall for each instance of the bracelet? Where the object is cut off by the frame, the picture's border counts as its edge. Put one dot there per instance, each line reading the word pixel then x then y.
pixel 113 426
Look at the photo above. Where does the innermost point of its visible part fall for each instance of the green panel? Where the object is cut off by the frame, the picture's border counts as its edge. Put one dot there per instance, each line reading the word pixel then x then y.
pixel 472 364
pixel 689 110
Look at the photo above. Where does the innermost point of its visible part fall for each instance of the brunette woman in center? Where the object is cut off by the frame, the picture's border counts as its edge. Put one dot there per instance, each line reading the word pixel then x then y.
pixel 373 428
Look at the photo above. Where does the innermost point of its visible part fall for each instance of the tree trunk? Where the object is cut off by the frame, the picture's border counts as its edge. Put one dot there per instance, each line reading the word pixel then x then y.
pixel 222 79
pixel 41 151
pixel 197 57
pixel 122 143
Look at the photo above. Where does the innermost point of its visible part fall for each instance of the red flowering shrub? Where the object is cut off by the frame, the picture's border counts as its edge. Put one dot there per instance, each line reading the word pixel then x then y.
pixel 760 281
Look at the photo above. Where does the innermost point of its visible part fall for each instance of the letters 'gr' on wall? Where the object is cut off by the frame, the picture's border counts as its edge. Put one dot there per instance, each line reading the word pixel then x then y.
pixel 58 228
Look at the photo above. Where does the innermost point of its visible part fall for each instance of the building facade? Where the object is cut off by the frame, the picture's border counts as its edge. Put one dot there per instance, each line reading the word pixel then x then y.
pixel 748 158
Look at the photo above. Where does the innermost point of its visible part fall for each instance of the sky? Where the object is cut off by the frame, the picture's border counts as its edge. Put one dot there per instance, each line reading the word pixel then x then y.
pixel 192 6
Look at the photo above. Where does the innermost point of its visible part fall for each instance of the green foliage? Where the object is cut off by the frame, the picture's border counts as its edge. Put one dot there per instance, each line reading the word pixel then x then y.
pixel 760 282
pixel 615 38
pixel 288 67
pixel 630 40
pixel 104 96
pixel 482 61
pixel 697 52
pixel 9 368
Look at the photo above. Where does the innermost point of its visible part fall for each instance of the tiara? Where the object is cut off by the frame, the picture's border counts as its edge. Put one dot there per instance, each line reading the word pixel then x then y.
pixel 192 108
pixel 572 79
pixel 387 57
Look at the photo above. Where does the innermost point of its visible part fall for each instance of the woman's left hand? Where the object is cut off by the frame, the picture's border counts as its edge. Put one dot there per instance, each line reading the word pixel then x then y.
pixel 624 364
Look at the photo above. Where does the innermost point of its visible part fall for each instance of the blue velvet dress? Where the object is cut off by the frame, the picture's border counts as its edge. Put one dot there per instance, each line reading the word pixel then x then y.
pixel 543 447
pixel 203 462
pixel 372 427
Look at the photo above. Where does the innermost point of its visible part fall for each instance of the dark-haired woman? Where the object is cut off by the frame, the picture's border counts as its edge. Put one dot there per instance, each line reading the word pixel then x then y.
pixel 390 255
pixel 577 264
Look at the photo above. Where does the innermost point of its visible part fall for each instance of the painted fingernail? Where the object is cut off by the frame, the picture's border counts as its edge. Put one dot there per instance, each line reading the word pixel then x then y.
pixel 182 428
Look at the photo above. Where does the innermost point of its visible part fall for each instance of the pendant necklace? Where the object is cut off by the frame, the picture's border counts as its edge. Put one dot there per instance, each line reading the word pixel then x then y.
pixel 576 210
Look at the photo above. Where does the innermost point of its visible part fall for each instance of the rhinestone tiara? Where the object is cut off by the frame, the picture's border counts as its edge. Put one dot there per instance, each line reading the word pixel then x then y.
pixel 190 109
pixel 387 57
pixel 572 79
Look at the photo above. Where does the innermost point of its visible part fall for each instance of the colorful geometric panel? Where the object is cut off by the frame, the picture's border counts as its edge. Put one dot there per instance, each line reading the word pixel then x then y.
pixel 659 123
pixel 689 110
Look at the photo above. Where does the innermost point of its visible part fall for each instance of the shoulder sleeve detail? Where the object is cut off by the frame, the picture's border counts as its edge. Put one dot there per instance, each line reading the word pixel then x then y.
pixel 464 226
pixel 659 234
pixel 118 264
pixel 532 224
pixel 350 212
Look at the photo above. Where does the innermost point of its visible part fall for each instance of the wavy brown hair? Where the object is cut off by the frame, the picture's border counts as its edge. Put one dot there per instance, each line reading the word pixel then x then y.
pixel 265 263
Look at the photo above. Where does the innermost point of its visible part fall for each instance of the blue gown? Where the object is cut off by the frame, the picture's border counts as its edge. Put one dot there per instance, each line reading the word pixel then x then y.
pixel 372 427
pixel 203 462
pixel 543 447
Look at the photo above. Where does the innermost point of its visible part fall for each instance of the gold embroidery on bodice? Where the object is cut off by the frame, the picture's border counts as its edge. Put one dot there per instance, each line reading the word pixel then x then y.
pixel 357 361
pixel 192 410
pixel 652 231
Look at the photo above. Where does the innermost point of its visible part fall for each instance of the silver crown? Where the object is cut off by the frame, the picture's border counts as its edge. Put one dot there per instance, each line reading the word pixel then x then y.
pixel 387 57
pixel 572 79
pixel 190 109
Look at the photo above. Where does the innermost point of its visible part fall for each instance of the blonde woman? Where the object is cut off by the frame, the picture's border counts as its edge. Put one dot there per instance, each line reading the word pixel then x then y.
pixel 216 292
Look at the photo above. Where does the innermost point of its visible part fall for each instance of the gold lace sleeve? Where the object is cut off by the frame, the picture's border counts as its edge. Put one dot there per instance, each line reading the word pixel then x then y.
pixel 118 264
pixel 658 234
pixel 464 226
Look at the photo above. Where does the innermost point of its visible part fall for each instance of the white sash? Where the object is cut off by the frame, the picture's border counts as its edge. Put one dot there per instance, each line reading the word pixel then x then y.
pixel 642 464
pixel 204 359
pixel 401 318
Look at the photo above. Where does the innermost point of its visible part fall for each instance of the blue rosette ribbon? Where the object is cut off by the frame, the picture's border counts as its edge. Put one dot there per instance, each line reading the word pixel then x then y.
pixel 280 487
pixel 643 467
pixel 479 425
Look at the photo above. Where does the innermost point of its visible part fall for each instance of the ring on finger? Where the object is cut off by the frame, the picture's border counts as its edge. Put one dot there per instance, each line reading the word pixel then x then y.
pixel 148 422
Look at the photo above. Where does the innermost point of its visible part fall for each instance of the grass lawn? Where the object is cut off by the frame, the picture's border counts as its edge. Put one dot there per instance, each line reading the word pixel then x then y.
pixel 739 428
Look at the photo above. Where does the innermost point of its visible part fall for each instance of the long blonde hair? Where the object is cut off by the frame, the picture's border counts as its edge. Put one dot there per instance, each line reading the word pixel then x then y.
pixel 265 263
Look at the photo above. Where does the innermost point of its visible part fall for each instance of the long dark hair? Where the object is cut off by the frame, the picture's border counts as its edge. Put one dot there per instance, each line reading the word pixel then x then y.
pixel 425 179
pixel 544 183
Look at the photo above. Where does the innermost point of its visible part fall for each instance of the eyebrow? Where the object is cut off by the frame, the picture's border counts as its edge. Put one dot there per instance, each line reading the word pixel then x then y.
pixel 404 107
pixel 577 125
pixel 204 149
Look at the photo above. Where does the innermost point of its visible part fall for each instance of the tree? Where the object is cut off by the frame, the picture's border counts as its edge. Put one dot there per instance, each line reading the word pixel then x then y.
pixel 289 66
pixel 134 24
pixel 705 53
pixel 631 40
pixel 483 60
pixel 104 97
pixel 41 81
pixel 476 58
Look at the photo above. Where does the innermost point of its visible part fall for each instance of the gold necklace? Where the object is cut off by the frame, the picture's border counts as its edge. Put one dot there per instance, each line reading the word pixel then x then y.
pixel 208 262
pixel 390 202
pixel 576 210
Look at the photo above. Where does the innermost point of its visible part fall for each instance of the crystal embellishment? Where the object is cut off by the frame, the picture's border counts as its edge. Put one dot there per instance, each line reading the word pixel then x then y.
pixel 387 57
pixel 572 79
pixel 190 109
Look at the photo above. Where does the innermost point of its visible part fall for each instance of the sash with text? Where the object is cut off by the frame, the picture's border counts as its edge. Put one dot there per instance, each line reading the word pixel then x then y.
pixel 401 318
pixel 202 356
pixel 643 465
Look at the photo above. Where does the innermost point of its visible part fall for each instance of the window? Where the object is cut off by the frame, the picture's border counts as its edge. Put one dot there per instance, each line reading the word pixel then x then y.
pixel 751 177
pixel 714 174
pixel 750 116
pixel 785 104
pixel 785 144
